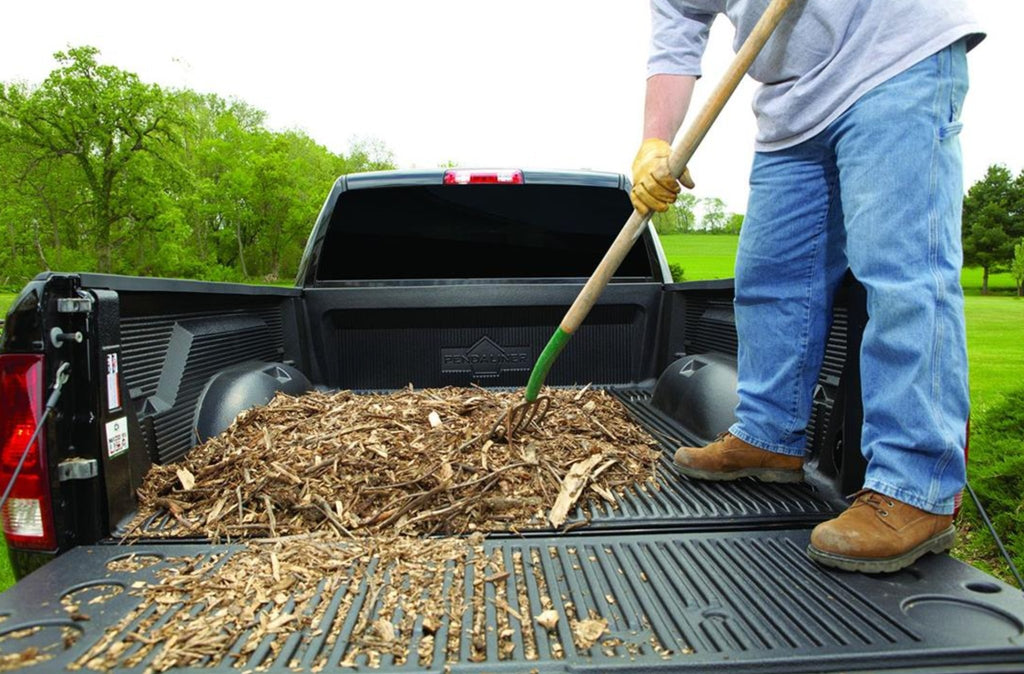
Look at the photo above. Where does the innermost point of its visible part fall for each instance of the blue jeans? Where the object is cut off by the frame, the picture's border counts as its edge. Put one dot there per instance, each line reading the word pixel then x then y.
pixel 879 191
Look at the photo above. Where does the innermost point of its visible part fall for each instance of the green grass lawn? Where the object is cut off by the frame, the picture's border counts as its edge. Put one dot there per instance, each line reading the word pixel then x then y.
pixel 1002 283
pixel 6 573
pixel 995 345
pixel 995 349
pixel 702 256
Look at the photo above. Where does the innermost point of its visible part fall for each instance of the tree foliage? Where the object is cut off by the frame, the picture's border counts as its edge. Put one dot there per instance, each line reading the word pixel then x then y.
pixel 993 221
pixel 999 481
pixel 679 218
pixel 682 217
pixel 714 217
pixel 95 124
pixel 733 224
pixel 1017 267
pixel 100 171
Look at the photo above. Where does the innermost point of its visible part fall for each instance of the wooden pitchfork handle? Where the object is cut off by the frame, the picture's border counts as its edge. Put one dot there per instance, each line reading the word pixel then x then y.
pixel 681 154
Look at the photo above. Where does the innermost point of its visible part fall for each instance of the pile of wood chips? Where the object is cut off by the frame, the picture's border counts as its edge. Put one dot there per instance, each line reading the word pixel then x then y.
pixel 331 492
pixel 416 462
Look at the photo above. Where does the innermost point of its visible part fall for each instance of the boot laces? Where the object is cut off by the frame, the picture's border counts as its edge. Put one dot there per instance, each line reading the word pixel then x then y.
pixel 875 500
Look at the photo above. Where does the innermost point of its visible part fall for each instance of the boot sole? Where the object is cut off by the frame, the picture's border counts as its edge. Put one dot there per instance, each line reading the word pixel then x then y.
pixel 762 474
pixel 937 544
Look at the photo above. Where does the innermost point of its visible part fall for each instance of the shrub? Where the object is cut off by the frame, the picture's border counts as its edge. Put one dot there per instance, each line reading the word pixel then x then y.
pixel 997 475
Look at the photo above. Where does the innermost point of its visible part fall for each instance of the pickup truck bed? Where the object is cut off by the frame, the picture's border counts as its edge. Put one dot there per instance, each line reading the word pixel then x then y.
pixel 698 576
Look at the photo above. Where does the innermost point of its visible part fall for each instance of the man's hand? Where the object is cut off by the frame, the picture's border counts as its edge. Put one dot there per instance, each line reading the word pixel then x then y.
pixel 654 186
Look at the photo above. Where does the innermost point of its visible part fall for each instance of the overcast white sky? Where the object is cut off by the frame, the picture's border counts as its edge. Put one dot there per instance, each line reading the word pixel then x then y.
pixel 531 83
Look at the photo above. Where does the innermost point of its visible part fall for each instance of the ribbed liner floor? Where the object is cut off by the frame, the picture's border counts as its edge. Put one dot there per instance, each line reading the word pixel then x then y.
pixel 739 601
pixel 683 502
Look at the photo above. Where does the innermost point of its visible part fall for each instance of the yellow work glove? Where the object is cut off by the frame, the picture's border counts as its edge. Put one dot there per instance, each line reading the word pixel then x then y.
pixel 654 186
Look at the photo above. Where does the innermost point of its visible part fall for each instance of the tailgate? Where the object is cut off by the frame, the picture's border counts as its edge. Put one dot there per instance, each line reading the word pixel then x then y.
pixel 730 601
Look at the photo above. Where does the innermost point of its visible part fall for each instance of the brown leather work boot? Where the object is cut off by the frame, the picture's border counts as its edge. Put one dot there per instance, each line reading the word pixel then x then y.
pixel 729 458
pixel 878 534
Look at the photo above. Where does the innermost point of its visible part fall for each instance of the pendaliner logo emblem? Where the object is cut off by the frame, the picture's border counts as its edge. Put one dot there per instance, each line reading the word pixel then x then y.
pixel 485 359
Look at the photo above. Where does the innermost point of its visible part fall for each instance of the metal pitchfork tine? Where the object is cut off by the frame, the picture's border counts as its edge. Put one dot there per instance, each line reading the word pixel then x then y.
pixel 519 417
pixel 530 411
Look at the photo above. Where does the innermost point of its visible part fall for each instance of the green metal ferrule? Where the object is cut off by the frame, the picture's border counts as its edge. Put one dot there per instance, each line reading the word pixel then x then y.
pixel 544 363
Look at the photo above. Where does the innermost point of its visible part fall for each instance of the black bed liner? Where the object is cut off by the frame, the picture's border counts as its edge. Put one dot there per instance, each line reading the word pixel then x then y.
pixel 697 504
pixel 695 576
pixel 735 601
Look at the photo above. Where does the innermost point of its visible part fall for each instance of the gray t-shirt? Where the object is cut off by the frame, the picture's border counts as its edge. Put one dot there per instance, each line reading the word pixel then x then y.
pixel 822 57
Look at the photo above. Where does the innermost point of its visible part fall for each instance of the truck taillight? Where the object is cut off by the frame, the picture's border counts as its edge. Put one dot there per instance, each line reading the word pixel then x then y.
pixel 27 517
pixel 482 177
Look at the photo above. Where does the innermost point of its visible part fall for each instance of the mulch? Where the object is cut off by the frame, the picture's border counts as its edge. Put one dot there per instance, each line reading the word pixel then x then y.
pixel 416 462
pixel 331 491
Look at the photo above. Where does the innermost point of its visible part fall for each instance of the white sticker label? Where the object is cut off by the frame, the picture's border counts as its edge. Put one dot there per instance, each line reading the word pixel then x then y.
pixel 117 437
pixel 113 389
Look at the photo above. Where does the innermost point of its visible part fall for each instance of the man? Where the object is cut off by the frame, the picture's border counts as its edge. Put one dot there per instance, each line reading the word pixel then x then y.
pixel 858 166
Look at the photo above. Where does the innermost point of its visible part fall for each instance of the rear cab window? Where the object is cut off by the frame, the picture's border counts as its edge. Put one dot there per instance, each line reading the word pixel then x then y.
pixel 534 230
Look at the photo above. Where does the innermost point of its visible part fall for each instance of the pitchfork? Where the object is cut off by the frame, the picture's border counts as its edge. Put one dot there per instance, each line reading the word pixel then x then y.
pixel 535 406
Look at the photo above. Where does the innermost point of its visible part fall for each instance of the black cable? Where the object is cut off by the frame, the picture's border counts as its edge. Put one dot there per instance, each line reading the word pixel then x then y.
pixel 51 402
pixel 992 530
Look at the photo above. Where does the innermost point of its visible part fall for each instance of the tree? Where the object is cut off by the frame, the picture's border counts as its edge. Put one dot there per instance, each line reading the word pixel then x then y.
pixel 1017 267
pixel 993 219
pixel 101 120
pixel 733 224
pixel 44 207
pixel 679 218
pixel 100 171
pixel 367 154
pixel 714 215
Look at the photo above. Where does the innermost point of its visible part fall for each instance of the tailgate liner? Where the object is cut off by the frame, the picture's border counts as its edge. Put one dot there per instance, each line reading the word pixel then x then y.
pixel 681 503
pixel 735 601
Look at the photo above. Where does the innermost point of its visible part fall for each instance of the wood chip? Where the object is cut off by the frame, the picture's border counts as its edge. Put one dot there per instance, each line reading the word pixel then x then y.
pixel 547 619
pixel 431 625
pixel 385 630
pixel 186 478
pixel 588 632
pixel 572 488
